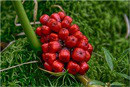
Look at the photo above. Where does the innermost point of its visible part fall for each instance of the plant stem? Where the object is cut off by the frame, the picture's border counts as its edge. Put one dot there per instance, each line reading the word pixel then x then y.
pixel 85 81
pixel 18 65
pixel 35 44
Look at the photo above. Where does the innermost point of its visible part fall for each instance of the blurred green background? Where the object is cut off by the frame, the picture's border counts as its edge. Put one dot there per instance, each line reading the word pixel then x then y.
pixel 101 21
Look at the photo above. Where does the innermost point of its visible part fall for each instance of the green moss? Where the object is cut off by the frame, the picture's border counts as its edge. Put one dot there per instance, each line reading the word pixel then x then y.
pixel 20 52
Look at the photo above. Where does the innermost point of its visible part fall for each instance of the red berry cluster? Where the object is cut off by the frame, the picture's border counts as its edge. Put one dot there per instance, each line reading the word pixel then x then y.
pixel 64 46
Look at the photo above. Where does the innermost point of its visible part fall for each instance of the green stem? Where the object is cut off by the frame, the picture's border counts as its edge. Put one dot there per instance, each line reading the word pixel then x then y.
pixel 35 44
pixel 85 81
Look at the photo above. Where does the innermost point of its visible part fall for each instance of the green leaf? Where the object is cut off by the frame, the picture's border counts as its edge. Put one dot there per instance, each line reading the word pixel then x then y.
pixel 117 84
pixel 124 53
pixel 52 73
pixel 95 82
pixel 108 58
pixel 124 76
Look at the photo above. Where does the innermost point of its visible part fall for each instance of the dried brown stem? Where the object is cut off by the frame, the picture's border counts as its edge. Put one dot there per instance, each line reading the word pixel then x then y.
pixel 8 45
pixel 128 26
pixel 58 7
pixel 18 65
pixel 32 23
pixel 35 11
pixel 34 16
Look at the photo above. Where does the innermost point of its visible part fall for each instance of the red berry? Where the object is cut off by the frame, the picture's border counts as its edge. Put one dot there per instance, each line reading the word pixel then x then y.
pixel 50 21
pixel 64 55
pixel 53 37
pixel 88 56
pixel 83 44
pixel 65 24
pixel 45 47
pixel 45 38
pixel 47 66
pixel 78 54
pixel 90 48
pixel 44 18
pixel 85 38
pixel 83 68
pixel 42 40
pixel 69 19
pixel 63 33
pixel 74 28
pixel 56 26
pixel 62 15
pixel 58 66
pixel 78 35
pixel 71 41
pixel 49 57
pixel 45 30
pixel 38 31
pixel 73 68
pixel 56 17
pixel 54 46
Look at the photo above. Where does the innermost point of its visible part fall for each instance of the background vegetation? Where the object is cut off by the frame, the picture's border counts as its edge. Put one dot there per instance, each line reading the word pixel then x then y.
pixel 102 22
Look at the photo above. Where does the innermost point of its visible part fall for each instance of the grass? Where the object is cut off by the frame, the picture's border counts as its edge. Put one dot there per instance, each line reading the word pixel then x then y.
pixel 102 22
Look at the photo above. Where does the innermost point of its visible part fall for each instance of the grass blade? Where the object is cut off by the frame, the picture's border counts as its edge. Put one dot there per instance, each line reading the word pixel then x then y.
pixel 124 53
pixel 50 82
pixel 108 58
pixel 117 84
pixel 124 76
pixel 95 82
